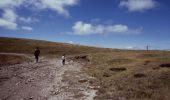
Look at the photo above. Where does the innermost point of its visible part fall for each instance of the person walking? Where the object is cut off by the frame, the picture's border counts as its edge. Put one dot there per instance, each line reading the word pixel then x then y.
pixel 63 59
pixel 36 54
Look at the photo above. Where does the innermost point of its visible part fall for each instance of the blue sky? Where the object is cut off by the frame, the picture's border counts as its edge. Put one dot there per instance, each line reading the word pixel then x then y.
pixel 130 24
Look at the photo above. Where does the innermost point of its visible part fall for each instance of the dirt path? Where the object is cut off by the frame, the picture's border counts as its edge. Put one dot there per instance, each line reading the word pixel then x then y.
pixel 46 80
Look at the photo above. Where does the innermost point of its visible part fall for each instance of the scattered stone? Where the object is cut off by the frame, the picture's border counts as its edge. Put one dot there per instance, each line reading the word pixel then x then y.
pixel 56 92
pixel 118 69
pixel 29 80
pixel 167 65
pixel 17 83
pixel 31 98
pixel 139 75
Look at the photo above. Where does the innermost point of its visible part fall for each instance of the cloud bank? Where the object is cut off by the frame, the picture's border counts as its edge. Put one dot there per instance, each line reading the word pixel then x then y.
pixel 138 5
pixel 9 18
pixel 82 28
pixel 27 28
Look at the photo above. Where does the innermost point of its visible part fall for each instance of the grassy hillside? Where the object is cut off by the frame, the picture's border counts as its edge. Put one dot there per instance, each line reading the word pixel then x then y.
pixel 16 45
pixel 6 59
pixel 121 74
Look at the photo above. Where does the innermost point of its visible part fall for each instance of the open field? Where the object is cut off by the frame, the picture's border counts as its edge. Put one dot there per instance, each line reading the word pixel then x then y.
pixel 120 74
pixel 131 75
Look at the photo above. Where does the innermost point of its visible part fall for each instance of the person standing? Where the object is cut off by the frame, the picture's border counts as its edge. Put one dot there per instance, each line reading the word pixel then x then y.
pixel 36 54
pixel 63 59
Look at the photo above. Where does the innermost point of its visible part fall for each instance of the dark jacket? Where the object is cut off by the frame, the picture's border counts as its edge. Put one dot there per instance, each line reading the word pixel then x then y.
pixel 37 52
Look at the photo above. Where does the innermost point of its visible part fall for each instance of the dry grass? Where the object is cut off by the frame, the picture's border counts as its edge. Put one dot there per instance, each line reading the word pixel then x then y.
pixel 140 77
pixel 12 59
pixel 16 45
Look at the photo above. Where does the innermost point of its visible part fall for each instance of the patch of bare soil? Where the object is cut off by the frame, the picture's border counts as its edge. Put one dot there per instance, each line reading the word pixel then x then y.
pixel 82 58
pixel 118 69
pixel 139 75
pixel 167 65
pixel 46 80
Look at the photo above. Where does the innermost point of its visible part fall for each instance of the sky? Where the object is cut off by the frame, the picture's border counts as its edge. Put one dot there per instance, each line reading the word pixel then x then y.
pixel 125 24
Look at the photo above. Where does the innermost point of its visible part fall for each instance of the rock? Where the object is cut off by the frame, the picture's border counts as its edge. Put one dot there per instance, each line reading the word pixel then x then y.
pixel 55 92
pixel 17 83
pixel 29 80
pixel 31 98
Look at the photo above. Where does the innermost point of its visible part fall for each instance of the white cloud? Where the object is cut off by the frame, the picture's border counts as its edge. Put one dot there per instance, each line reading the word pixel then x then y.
pixel 71 42
pixel 138 5
pixel 28 19
pixel 7 24
pixel 26 28
pixel 10 3
pixel 56 5
pixel 9 17
pixel 8 20
pixel 117 28
pixel 132 48
pixel 81 28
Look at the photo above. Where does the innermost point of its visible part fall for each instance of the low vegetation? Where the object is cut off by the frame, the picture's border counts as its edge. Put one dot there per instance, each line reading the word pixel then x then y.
pixel 130 75
pixel 120 74
pixel 6 59
pixel 16 45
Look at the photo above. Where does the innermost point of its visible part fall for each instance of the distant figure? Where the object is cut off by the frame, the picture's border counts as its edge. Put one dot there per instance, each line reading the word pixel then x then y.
pixel 36 54
pixel 63 59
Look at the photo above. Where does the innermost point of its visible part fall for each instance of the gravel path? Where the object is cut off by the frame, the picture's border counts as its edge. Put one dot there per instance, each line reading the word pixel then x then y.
pixel 46 80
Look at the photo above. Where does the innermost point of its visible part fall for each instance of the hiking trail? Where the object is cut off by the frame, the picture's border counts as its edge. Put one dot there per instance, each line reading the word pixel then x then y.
pixel 46 80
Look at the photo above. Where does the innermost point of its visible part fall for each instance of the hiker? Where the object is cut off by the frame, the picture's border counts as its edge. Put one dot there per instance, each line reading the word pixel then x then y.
pixel 36 54
pixel 63 59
